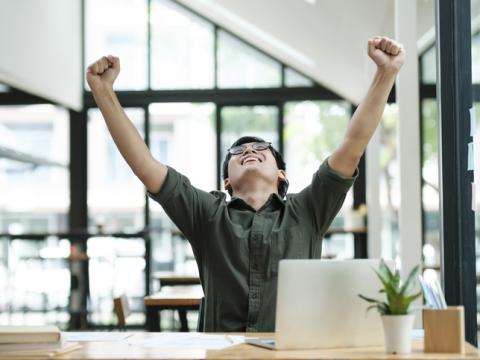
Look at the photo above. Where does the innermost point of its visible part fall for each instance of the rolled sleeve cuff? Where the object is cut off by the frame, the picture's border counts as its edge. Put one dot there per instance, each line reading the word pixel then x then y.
pixel 169 187
pixel 341 183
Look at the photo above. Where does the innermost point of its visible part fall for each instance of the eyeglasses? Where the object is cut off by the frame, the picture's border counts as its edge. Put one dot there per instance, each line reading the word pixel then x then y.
pixel 258 146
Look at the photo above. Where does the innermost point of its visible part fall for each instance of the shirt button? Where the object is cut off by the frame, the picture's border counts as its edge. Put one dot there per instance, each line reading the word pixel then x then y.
pixel 254 295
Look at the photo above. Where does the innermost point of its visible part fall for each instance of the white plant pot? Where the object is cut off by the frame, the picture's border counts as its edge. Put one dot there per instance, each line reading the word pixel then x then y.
pixel 397 330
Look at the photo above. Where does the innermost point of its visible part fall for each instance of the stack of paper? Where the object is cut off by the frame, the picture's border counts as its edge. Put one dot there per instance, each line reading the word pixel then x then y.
pixel 33 341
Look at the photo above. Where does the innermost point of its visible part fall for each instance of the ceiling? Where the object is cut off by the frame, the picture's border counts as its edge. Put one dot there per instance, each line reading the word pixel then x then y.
pixel 324 39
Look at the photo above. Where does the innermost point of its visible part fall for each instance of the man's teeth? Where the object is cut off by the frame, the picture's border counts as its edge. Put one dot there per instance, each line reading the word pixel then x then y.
pixel 250 159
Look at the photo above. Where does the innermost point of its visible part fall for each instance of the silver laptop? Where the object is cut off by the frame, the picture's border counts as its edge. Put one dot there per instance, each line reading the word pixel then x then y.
pixel 318 305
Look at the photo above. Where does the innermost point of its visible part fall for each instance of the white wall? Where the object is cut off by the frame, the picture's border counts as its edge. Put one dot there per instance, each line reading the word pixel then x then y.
pixel 40 49
pixel 325 39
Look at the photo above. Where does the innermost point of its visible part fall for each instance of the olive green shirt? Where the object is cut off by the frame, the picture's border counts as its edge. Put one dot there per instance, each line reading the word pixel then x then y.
pixel 238 248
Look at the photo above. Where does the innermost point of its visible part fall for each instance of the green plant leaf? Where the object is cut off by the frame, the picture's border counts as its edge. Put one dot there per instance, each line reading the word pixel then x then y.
pixel 409 283
pixel 387 284
pixel 397 295
pixel 385 270
pixel 369 299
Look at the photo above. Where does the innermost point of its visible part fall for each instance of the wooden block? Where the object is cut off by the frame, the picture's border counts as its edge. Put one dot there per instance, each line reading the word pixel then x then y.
pixel 444 330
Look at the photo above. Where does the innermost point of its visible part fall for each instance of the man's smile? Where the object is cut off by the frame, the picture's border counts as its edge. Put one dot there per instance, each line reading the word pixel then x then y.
pixel 250 159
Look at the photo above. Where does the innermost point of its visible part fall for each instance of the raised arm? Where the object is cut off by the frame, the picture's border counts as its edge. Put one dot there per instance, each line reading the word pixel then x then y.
pixel 100 77
pixel 389 56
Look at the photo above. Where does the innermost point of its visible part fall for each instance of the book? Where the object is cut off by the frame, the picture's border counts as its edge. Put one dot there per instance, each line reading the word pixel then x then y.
pixel 29 334
pixel 38 349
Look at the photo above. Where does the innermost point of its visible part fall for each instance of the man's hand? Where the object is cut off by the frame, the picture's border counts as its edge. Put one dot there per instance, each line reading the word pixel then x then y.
pixel 386 53
pixel 103 72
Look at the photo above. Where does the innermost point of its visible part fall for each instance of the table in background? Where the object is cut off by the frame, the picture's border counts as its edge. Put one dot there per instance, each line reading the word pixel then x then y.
pixel 181 298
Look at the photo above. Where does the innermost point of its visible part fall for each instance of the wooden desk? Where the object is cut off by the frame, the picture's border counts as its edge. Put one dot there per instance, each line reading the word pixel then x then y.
pixel 122 350
pixel 181 298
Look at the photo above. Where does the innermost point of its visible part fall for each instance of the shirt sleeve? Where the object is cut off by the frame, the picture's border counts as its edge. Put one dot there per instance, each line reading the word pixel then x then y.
pixel 187 206
pixel 322 199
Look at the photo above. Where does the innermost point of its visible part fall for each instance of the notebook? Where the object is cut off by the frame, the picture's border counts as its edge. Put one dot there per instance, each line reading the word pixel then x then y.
pixel 29 334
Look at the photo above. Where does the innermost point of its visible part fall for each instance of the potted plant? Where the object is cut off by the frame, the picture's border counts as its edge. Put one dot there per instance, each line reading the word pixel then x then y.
pixel 397 321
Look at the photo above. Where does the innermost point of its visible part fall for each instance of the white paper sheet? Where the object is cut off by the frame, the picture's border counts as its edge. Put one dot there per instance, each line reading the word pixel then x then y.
pixel 95 336
pixel 190 341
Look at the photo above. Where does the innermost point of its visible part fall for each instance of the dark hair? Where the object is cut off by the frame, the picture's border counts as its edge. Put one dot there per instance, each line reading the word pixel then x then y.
pixel 282 186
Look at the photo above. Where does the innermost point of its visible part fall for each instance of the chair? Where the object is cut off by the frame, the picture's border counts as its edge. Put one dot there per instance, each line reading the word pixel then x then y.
pixel 121 309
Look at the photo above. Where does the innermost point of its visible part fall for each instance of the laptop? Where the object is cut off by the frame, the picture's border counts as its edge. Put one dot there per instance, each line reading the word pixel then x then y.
pixel 318 305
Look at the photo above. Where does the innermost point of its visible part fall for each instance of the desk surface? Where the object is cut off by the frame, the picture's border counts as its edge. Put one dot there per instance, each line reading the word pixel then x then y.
pixel 176 295
pixel 122 350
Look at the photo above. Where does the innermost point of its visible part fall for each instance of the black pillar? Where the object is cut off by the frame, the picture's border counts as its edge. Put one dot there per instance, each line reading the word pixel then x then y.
pixel 454 90
pixel 78 221
pixel 359 198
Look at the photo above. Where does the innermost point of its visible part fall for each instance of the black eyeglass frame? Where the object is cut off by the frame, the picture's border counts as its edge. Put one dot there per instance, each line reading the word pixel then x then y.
pixel 258 146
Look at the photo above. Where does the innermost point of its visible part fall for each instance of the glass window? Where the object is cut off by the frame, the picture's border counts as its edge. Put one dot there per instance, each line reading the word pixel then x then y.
pixel 119 28
pixel 241 66
pixel 182 48
pixel 116 266
pixel 312 131
pixel 26 298
pixel 430 185
pixel 116 198
pixel 428 61
pixel 389 182
pixel 295 79
pixel 182 135
pixel 34 157
pixel 179 134
pixel 429 66
pixel 237 121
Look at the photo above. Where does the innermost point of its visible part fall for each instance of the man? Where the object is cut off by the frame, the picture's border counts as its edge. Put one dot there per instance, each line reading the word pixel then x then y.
pixel 238 244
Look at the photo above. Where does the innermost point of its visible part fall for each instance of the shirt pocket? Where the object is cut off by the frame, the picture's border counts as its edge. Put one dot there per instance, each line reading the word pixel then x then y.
pixel 287 244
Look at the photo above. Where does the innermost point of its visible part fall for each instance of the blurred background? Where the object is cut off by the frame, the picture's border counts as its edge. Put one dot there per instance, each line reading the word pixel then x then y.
pixel 76 228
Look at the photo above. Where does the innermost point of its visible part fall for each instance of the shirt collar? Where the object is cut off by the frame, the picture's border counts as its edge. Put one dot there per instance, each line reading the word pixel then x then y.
pixel 274 201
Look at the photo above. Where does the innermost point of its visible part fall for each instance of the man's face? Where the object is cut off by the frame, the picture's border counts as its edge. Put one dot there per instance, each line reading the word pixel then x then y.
pixel 253 165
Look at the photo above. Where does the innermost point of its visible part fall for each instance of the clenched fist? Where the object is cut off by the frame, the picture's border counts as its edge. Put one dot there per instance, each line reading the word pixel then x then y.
pixel 103 72
pixel 386 53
